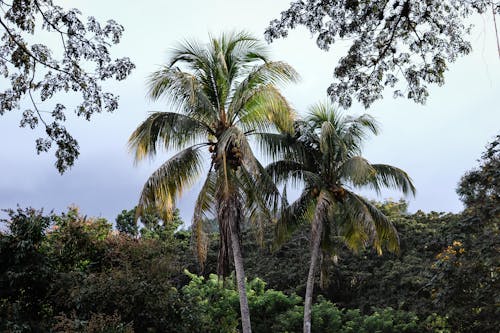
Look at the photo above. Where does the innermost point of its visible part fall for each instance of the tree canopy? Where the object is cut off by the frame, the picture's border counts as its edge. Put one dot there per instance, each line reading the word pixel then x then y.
pixel 37 71
pixel 398 44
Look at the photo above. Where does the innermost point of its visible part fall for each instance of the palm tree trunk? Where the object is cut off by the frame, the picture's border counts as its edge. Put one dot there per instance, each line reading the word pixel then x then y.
pixel 240 281
pixel 230 216
pixel 315 248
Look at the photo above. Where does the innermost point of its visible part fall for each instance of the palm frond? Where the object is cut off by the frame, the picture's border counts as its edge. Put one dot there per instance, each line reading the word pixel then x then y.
pixel 322 112
pixel 184 91
pixel 373 222
pixel 240 50
pixel 265 109
pixel 349 218
pixel 165 130
pixel 332 148
pixel 244 47
pixel 262 184
pixel 356 130
pixel 391 177
pixel 294 215
pixel 356 170
pixel 166 184
pixel 260 198
pixel 205 202
pixel 275 145
pixel 205 205
pixel 200 242
pixel 269 73
pixel 358 126
pixel 284 170
pixel 189 52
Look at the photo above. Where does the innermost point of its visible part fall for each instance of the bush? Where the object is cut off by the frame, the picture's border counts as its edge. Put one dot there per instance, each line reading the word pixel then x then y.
pixel 98 323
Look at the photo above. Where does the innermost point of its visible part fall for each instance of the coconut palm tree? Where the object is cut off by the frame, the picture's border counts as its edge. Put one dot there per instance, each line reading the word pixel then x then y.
pixel 324 154
pixel 220 93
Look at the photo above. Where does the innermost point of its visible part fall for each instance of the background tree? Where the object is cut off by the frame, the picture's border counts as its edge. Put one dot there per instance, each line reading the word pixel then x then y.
pixel 153 225
pixel 325 154
pixel 38 72
pixel 77 242
pixel 223 92
pixel 401 44
pixel 479 189
pixel 24 270
pixel 465 271
pixel 126 223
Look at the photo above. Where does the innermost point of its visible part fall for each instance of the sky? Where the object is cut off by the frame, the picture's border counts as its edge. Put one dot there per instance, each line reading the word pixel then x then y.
pixel 435 143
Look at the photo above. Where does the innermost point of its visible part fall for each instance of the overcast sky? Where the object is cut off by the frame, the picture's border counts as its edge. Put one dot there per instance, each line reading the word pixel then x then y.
pixel 435 143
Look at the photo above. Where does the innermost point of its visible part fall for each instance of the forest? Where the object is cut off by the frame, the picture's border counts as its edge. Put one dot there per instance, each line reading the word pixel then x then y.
pixel 73 273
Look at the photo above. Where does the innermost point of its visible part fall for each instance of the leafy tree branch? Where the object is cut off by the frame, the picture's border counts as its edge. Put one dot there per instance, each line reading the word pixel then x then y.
pixel 81 43
pixel 402 45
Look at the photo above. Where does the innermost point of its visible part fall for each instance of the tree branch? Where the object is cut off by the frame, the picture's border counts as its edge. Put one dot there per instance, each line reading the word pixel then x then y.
pixel 29 53
pixel 51 24
pixel 31 96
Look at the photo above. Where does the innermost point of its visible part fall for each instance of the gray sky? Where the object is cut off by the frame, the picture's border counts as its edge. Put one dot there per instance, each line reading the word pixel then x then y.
pixel 435 143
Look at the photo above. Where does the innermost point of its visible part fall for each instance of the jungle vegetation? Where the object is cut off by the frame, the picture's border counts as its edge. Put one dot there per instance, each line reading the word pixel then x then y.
pixel 72 273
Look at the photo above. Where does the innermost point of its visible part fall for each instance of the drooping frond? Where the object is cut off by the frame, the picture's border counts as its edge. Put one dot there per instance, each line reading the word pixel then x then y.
pixel 200 242
pixel 294 215
pixel 277 145
pixel 260 197
pixel 356 170
pixel 391 177
pixel 262 185
pixel 203 209
pixel 166 184
pixel 359 126
pixel 284 170
pixel 165 130
pixel 205 202
pixel 368 222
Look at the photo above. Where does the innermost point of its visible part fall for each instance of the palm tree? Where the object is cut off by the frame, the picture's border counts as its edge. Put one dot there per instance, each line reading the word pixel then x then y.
pixel 222 93
pixel 324 154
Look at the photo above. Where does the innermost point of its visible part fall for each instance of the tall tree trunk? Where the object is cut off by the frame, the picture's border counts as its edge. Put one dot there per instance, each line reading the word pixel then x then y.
pixel 316 231
pixel 240 280
pixel 230 216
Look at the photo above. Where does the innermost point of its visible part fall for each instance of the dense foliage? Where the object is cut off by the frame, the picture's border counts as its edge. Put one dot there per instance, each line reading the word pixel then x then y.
pixel 38 71
pixel 446 266
pixel 70 273
pixel 115 283
pixel 399 44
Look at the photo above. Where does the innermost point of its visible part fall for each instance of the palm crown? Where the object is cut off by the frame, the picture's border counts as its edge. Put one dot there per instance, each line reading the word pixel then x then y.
pixel 222 93
pixel 325 154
